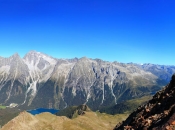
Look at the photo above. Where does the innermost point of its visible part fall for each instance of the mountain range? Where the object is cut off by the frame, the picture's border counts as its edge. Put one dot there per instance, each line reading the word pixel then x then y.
pixel 38 80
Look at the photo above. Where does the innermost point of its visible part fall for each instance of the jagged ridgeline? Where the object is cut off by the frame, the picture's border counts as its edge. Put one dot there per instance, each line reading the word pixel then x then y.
pixel 41 81
pixel 157 114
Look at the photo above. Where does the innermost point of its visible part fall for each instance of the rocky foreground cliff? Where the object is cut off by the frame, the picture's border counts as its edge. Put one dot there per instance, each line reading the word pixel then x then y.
pixel 39 80
pixel 157 114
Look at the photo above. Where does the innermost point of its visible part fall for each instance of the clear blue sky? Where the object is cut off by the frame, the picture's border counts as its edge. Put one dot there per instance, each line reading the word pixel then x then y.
pixel 140 31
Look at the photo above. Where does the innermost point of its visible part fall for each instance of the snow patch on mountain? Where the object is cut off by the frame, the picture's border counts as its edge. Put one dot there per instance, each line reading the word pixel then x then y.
pixel 5 69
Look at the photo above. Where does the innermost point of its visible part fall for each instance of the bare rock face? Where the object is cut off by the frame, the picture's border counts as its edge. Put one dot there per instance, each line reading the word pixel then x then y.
pixel 13 73
pixel 39 80
pixel 157 114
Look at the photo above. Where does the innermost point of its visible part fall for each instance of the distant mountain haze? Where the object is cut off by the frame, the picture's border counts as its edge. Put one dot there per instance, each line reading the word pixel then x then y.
pixel 41 81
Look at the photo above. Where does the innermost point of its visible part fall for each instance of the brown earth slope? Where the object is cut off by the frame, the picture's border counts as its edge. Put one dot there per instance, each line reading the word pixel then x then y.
pixel 46 121
pixel 157 114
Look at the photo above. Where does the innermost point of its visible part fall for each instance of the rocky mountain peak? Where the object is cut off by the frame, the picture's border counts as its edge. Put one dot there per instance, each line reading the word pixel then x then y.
pixel 84 59
pixel 32 55
pixel 15 55
pixel 158 113
pixel 35 58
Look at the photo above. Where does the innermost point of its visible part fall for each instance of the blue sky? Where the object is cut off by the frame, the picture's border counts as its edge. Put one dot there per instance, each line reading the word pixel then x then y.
pixel 139 31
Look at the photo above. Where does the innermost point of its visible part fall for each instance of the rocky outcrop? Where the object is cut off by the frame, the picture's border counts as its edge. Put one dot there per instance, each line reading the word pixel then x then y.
pixel 158 113
pixel 74 111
